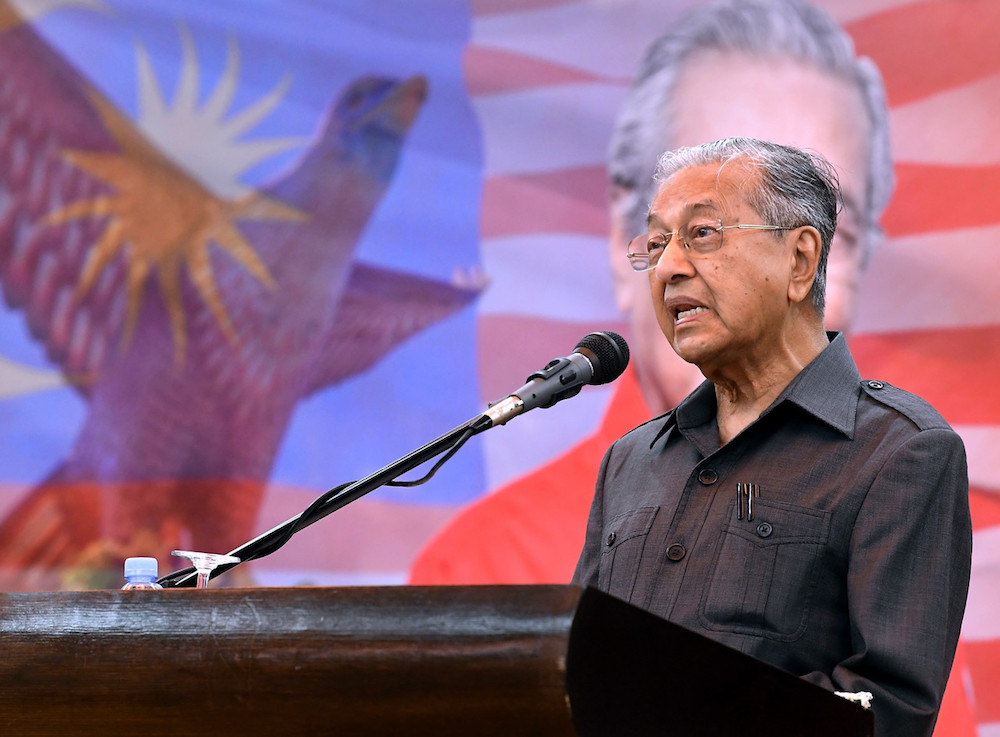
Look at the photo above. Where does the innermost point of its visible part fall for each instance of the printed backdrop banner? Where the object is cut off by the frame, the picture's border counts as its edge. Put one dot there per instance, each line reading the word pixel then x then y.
pixel 253 250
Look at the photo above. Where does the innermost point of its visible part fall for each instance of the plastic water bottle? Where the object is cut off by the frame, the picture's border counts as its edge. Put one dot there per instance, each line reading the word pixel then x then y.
pixel 140 573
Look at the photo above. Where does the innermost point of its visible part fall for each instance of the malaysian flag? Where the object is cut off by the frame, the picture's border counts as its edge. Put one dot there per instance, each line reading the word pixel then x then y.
pixel 395 212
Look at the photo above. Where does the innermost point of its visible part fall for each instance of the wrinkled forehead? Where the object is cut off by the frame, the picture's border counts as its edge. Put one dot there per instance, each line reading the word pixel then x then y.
pixel 715 188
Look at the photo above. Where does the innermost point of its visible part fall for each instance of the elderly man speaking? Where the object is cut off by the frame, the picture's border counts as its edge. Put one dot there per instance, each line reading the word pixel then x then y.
pixel 786 507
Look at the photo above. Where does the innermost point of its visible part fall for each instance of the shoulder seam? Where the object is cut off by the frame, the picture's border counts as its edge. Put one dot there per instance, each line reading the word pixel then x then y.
pixel 914 408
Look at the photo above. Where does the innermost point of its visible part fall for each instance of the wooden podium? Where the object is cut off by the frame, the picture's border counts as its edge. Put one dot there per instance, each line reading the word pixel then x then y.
pixel 475 661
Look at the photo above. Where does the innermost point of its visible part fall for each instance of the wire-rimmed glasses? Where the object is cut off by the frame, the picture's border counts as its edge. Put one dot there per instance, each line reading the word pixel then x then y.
pixel 698 239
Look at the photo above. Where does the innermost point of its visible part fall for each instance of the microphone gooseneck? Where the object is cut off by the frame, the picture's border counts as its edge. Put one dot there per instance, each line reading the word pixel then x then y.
pixel 597 359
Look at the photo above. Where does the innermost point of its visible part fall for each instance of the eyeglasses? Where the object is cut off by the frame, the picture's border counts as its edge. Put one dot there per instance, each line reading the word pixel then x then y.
pixel 700 239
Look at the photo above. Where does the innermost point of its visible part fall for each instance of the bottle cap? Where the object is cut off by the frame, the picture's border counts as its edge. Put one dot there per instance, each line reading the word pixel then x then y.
pixel 140 567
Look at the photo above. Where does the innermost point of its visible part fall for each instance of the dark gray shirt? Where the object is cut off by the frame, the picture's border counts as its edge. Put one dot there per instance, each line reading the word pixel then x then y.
pixel 854 569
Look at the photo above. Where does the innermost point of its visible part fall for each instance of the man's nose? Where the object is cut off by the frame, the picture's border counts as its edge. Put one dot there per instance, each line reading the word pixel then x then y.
pixel 674 263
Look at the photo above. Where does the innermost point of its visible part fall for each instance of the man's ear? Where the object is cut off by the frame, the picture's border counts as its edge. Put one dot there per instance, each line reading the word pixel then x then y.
pixel 805 261
pixel 622 275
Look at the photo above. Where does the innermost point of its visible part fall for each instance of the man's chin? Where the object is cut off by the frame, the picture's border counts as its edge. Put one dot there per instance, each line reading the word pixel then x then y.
pixel 691 350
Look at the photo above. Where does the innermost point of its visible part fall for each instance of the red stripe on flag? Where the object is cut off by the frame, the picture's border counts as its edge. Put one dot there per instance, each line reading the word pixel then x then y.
pixel 491 71
pixel 949 367
pixel 564 201
pixel 925 192
pixel 925 48
pixel 983 660
pixel 985 507
pixel 502 7
pixel 955 719
pixel 511 347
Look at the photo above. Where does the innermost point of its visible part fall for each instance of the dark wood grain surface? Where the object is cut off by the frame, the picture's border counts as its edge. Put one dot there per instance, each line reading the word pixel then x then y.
pixel 292 661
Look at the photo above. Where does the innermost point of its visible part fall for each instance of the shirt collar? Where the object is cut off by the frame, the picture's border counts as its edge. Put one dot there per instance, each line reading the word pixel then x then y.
pixel 696 408
pixel 826 389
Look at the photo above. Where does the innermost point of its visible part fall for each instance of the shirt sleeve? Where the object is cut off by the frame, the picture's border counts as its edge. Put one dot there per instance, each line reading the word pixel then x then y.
pixel 908 578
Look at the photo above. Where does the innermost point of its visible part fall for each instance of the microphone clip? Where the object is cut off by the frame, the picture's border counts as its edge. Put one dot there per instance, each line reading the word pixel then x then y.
pixel 568 372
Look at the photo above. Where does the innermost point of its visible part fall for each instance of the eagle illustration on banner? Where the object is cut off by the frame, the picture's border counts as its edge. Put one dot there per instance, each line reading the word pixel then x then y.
pixel 191 312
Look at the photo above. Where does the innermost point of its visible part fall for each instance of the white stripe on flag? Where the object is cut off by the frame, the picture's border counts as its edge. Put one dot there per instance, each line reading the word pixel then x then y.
pixel 548 128
pixel 605 38
pixel 928 131
pixel 557 276
pixel 981 622
pixel 981 442
pixel 989 730
pixel 931 280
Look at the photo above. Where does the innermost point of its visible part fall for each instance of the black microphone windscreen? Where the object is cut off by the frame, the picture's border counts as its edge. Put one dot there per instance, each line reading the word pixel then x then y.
pixel 611 353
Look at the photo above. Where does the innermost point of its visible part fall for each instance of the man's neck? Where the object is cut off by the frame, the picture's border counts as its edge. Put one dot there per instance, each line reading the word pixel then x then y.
pixel 741 396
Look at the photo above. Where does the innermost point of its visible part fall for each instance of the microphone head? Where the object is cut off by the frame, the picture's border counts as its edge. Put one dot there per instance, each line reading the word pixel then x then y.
pixel 608 352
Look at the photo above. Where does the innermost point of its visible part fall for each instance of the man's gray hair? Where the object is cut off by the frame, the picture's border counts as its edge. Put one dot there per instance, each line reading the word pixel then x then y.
pixel 783 29
pixel 787 186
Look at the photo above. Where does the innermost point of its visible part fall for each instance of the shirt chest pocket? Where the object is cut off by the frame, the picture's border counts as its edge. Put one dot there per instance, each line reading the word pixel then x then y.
pixel 764 573
pixel 624 539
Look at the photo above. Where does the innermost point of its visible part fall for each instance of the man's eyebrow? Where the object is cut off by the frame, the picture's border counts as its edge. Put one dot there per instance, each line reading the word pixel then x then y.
pixel 701 206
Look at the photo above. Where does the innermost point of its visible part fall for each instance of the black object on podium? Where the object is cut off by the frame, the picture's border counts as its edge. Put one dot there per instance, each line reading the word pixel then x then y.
pixel 630 672
pixel 476 661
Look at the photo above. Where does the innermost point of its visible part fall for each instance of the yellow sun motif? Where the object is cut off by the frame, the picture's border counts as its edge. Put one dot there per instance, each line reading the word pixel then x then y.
pixel 163 219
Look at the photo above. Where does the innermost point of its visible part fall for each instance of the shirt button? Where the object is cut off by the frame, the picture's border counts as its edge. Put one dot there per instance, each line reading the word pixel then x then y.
pixel 876 384
pixel 764 529
pixel 676 551
pixel 707 476
pixel 611 539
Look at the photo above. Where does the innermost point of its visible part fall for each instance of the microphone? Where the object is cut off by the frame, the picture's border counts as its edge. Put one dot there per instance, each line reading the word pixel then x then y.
pixel 598 358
